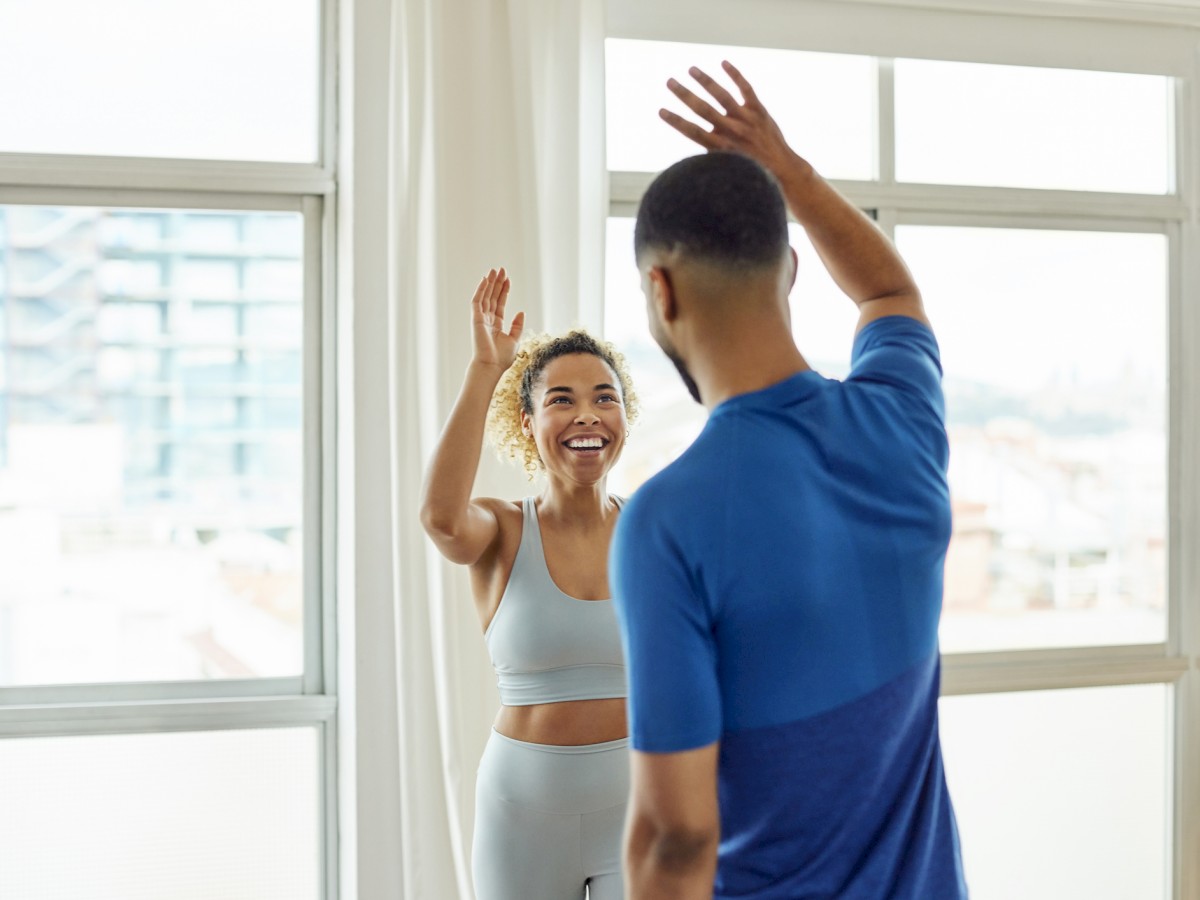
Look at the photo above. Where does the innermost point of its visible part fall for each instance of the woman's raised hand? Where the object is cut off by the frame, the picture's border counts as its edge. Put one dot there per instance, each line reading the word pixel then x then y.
pixel 745 127
pixel 493 345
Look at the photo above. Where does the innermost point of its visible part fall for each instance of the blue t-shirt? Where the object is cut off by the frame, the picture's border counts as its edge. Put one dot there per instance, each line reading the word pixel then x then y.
pixel 778 589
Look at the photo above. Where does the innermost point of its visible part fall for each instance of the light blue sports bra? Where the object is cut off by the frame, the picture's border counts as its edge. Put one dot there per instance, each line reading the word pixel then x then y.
pixel 546 646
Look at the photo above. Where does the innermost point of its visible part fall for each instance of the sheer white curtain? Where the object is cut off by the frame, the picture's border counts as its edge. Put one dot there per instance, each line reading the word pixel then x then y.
pixel 471 136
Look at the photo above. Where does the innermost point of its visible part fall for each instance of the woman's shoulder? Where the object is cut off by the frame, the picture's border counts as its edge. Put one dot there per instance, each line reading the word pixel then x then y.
pixel 508 513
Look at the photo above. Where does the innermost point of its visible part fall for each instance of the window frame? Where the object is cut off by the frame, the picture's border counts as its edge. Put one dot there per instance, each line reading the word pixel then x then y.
pixel 310 698
pixel 1049 34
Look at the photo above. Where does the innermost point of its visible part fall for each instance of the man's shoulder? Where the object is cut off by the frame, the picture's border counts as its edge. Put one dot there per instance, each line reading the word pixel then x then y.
pixel 685 493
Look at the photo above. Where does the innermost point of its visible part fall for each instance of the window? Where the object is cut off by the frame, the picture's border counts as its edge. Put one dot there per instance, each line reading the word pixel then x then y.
pixel 151 430
pixel 241 823
pixel 185 80
pixel 1036 198
pixel 166 181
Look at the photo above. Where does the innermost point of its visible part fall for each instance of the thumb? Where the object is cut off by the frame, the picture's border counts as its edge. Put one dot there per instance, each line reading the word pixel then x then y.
pixel 518 326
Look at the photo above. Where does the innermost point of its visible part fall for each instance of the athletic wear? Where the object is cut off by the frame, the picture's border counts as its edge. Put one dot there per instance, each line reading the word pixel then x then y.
pixel 548 820
pixel 779 588
pixel 546 646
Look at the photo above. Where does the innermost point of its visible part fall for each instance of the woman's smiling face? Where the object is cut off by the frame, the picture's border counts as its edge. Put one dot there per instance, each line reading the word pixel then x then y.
pixel 578 419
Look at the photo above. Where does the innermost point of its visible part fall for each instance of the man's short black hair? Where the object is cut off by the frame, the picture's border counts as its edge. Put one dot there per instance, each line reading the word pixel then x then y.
pixel 720 208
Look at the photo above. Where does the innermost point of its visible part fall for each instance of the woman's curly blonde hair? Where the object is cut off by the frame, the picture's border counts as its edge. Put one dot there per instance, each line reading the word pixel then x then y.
pixel 514 393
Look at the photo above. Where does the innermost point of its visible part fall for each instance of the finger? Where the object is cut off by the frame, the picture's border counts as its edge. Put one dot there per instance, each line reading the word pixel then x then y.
pixel 502 298
pixel 697 105
pixel 477 299
pixel 711 85
pixel 748 96
pixel 690 130
pixel 489 293
pixel 518 326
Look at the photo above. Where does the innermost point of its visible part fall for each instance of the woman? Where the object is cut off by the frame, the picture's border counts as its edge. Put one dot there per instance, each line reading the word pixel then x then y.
pixel 552 785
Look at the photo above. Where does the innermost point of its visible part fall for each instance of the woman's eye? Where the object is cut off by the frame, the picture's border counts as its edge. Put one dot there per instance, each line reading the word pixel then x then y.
pixel 609 397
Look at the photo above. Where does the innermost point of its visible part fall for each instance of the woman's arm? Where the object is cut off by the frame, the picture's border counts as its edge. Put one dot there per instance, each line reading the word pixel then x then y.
pixel 462 528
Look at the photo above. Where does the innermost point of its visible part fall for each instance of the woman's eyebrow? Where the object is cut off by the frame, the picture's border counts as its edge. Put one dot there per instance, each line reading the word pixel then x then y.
pixel 566 390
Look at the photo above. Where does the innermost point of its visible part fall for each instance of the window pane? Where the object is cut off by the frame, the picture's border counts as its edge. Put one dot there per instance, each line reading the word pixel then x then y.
pixel 1061 793
pixel 222 79
pixel 150 444
pixel 1054 349
pixel 1016 126
pixel 834 127
pixel 823 320
pixel 191 816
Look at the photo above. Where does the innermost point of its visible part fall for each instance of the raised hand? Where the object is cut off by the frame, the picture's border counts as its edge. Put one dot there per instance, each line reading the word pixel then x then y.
pixel 493 345
pixel 744 127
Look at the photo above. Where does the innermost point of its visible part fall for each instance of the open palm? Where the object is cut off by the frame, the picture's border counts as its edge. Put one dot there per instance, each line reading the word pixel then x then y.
pixel 744 127
pixel 493 345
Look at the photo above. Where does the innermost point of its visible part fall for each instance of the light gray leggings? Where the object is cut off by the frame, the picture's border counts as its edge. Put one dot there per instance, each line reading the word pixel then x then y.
pixel 549 819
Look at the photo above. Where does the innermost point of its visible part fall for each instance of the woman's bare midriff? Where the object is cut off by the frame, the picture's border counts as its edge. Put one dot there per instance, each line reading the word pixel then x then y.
pixel 571 723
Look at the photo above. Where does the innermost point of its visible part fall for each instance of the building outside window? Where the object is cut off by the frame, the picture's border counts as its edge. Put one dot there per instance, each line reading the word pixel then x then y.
pixel 164 649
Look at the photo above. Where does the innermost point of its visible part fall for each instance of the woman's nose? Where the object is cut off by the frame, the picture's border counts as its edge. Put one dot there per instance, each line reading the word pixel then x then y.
pixel 587 417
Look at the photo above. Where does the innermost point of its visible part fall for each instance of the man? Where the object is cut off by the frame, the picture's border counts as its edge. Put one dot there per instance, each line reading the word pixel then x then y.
pixel 779 585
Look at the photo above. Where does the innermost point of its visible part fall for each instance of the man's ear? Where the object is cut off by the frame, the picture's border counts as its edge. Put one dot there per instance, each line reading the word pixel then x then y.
pixel 795 268
pixel 662 294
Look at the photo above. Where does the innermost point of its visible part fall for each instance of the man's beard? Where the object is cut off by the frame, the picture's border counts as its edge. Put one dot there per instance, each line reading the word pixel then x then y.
pixel 664 344
pixel 688 381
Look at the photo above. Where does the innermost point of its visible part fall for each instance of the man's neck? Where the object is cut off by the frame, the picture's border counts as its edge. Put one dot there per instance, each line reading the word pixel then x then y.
pixel 739 358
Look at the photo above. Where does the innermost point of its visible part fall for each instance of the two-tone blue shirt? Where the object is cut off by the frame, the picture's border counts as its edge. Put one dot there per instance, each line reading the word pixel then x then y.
pixel 778 589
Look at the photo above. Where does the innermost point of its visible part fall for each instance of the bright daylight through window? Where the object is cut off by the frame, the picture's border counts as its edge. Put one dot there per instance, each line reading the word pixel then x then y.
pixel 164 199
pixel 150 444
pixel 1053 329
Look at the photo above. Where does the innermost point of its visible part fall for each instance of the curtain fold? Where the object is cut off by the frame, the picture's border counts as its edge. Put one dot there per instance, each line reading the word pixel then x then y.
pixel 494 157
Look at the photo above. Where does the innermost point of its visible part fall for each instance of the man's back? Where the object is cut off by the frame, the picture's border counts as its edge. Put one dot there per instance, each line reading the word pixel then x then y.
pixel 780 587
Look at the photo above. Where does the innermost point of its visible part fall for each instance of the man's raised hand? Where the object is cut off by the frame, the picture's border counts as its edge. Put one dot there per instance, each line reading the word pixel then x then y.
pixel 493 345
pixel 741 127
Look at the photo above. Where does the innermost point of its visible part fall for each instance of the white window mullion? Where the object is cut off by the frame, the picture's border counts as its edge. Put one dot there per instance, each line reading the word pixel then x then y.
pixel 56 171
pixel 148 692
pixel 155 198
pixel 627 188
pixel 1038 670
pixel 104 717
pixel 885 121
pixel 314 430
pixel 1185 496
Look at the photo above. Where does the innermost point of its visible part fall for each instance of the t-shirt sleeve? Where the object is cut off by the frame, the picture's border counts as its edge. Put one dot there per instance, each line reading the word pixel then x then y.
pixel 900 352
pixel 666 630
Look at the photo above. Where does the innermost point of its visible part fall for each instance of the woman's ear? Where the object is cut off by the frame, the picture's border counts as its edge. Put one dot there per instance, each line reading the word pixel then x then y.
pixel 526 424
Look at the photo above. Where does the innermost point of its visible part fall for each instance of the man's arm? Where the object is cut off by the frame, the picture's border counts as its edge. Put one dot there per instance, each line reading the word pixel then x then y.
pixel 859 257
pixel 673 828
pixel 674 699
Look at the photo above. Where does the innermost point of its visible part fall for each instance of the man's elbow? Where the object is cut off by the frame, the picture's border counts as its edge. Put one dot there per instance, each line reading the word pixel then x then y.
pixel 679 849
pixel 683 851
